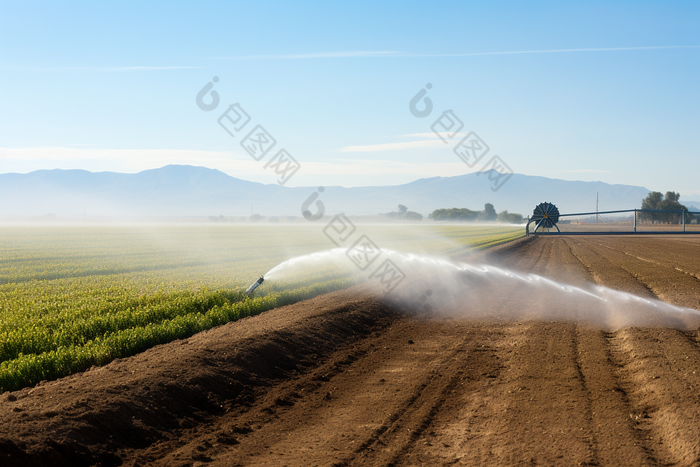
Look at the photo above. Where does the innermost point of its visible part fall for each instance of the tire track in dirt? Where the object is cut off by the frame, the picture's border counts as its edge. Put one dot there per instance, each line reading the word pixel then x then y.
pixel 676 252
pixel 244 426
pixel 528 255
pixel 662 424
pixel 662 276
pixel 588 397
pixel 569 268
pixel 593 361
pixel 423 406
pixel 540 406
pixel 605 272
pixel 560 371
pixel 661 370
pixel 405 381
pixel 608 400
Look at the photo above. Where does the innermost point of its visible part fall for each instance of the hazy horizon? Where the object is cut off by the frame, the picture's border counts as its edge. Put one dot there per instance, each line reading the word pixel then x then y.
pixel 691 198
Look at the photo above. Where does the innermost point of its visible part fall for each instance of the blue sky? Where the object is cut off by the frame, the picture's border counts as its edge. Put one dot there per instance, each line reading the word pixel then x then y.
pixel 580 91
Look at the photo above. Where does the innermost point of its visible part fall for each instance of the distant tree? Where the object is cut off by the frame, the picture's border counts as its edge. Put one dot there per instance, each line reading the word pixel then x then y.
pixel 510 218
pixel 465 215
pixel 404 214
pixel 489 213
pixel 256 218
pixel 412 216
pixel 668 202
pixel 652 201
pixel 454 214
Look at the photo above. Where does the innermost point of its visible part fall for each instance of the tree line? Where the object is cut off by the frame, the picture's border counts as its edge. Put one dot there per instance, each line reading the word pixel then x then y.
pixel 669 202
pixel 467 215
pixel 404 214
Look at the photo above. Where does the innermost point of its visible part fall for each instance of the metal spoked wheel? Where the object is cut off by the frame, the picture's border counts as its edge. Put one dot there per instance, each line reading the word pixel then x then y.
pixel 545 215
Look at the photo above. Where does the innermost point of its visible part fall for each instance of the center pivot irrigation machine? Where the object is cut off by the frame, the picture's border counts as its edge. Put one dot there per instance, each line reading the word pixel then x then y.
pixel 546 216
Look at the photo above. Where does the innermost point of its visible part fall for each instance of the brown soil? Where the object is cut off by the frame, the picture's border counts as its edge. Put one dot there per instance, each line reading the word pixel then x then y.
pixel 345 379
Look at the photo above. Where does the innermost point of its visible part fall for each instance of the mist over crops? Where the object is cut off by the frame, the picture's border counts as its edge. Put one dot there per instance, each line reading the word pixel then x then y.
pixel 72 297
pixel 436 286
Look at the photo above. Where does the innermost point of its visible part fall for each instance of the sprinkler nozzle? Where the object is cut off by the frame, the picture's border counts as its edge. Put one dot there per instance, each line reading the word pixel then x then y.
pixel 254 285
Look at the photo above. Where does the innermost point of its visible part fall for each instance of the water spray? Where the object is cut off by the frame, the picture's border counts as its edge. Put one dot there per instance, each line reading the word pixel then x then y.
pixel 254 285
pixel 482 291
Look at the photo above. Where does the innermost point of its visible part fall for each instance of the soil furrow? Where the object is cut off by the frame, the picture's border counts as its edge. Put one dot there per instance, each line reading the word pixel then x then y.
pixel 664 281
pixel 606 272
pixel 586 390
pixel 419 413
pixel 661 373
pixel 610 406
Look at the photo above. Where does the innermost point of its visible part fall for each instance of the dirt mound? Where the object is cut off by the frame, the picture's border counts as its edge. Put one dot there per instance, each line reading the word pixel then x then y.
pixel 344 379
pixel 93 418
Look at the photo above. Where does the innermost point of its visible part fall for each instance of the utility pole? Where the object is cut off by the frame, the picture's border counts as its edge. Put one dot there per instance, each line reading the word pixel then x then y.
pixel 596 207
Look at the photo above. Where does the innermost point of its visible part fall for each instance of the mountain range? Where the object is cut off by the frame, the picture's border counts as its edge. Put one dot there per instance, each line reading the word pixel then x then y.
pixel 181 190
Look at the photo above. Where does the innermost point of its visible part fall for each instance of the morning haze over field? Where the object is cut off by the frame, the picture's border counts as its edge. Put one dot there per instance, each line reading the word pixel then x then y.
pixel 179 191
pixel 349 233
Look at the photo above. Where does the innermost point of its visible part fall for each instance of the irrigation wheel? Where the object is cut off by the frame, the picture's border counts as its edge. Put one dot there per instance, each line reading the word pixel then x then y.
pixel 545 215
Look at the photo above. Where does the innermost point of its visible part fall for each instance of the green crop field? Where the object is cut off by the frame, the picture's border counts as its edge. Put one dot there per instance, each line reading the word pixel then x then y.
pixel 72 297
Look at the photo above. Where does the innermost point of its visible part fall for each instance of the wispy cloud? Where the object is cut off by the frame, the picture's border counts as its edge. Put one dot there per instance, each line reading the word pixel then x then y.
pixel 62 157
pixel 373 53
pixel 433 142
pixel 434 135
pixel 366 53
pixel 552 51
pixel 99 68
pixel 148 68
pixel 350 54
pixel 386 167
pixel 596 171
pixel 330 55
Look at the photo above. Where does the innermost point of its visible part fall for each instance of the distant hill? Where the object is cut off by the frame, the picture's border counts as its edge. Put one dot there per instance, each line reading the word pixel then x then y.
pixel 177 190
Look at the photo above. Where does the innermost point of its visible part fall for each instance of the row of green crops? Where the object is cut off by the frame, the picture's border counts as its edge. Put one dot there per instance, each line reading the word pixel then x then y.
pixel 28 369
pixel 73 297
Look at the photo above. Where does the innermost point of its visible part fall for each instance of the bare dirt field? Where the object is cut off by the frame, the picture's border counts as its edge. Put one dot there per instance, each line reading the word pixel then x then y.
pixel 346 379
pixel 628 227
